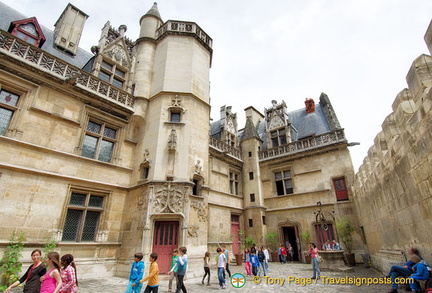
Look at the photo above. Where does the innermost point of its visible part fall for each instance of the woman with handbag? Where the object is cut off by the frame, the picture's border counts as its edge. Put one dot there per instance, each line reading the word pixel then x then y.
pixel 313 251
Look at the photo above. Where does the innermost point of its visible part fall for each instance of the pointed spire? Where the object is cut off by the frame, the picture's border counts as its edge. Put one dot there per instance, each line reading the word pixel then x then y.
pixel 249 130
pixel 154 11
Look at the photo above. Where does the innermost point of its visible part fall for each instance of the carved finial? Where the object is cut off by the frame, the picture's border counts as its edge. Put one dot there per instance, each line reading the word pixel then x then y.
pixel 176 101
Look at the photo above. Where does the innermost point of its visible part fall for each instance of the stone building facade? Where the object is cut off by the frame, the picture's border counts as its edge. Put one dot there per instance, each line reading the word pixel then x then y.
pixel 113 152
pixel 393 188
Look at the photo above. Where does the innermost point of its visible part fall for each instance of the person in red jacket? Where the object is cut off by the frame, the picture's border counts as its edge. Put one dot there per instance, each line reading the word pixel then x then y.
pixel 284 254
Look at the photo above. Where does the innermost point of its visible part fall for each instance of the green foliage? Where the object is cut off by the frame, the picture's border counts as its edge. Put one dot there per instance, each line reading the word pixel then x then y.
pixel 49 247
pixel 249 241
pixel 345 230
pixel 9 264
pixel 272 238
pixel 242 236
pixel 305 236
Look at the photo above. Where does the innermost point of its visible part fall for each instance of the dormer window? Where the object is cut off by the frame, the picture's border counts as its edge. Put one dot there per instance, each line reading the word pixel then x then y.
pixel 278 137
pixel 112 74
pixel 28 30
pixel 231 139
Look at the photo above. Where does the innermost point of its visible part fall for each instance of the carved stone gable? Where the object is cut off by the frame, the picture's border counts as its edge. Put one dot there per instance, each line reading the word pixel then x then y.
pixel 230 125
pixel 276 121
pixel 118 54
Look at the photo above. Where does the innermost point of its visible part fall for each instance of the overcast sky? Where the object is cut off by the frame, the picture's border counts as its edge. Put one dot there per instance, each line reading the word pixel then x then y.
pixel 357 52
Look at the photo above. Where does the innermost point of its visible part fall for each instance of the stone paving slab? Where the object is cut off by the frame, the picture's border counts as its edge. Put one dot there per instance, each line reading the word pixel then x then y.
pixel 296 272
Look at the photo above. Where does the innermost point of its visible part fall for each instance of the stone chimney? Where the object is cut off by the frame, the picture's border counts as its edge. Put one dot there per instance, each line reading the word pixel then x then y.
pixel 310 105
pixel 122 30
pixel 68 29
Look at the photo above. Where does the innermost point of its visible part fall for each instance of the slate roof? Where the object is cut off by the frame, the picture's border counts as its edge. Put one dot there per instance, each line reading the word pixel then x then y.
pixel 154 11
pixel 308 124
pixel 8 15
pixel 302 125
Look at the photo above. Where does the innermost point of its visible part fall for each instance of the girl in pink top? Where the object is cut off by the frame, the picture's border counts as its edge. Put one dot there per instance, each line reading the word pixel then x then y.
pixel 68 274
pixel 52 280
pixel 313 251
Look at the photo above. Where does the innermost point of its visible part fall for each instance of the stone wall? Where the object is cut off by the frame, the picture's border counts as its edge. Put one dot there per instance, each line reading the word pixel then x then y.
pixel 393 187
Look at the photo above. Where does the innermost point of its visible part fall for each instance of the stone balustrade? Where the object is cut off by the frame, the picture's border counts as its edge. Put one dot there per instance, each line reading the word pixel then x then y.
pixel 18 49
pixel 173 26
pixel 337 136
pixel 224 147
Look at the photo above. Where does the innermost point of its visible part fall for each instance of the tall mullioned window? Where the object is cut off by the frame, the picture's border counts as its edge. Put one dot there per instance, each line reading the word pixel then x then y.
pixel 284 184
pixel 278 137
pixel 99 141
pixel 8 106
pixel 234 183
pixel 83 216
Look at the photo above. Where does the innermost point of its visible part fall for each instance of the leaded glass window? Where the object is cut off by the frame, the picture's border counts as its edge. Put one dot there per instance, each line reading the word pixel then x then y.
pixel 83 216
pixel 99 141
pixel 8 105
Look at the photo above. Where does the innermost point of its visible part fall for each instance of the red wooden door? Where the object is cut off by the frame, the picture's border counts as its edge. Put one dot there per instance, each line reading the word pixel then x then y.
pixel 235 226
pixel 165 240
pixel 340 189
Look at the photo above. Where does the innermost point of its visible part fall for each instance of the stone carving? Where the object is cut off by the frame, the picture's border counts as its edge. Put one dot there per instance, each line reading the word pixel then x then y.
pixel 201 209
pixel 276 121
pixel 169 199
pixel 193 231
pixel 176 101
pixel 198 168
pixel 172 140
pixel 146 155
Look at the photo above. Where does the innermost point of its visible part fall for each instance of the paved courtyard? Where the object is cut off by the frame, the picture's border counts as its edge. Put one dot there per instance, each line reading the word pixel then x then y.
pixel 296 273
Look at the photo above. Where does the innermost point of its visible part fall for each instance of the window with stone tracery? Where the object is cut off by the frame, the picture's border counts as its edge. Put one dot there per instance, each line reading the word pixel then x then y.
pixel 234 183
pixel 99 141
pixel 8 106
pixel 112 74
pixel 83 216
pixel 278 137
pixel 231 139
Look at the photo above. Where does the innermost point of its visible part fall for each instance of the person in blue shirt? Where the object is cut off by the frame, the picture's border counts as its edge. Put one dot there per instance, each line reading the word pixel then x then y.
pixel 181 267
pixel 405 270
pixel 136 274
pixel 255 263
pixel 421 272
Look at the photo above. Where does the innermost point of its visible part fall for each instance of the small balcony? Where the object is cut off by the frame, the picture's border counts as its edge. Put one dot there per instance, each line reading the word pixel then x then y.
pixel 225 148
